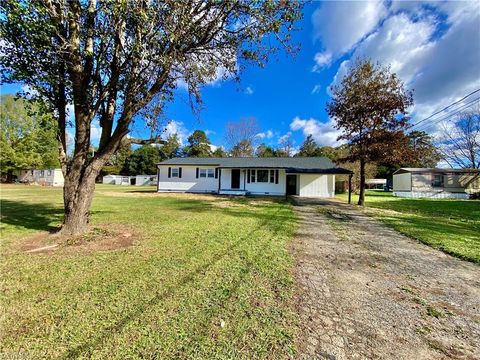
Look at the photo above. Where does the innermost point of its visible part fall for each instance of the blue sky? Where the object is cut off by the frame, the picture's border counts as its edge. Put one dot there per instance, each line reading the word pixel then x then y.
pixel 433 46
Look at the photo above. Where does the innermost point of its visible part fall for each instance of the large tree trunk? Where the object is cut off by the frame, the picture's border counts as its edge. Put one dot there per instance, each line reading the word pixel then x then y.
pixel 77 197
pixel 361 197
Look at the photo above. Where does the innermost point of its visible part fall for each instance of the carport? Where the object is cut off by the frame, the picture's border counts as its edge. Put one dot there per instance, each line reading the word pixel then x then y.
pixel 294 179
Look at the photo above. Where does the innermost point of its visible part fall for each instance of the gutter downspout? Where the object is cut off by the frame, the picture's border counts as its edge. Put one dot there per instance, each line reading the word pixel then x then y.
pixel 219 179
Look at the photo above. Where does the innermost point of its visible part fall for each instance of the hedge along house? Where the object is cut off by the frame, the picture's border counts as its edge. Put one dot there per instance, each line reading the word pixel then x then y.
pixel 302 176
pixel 436 183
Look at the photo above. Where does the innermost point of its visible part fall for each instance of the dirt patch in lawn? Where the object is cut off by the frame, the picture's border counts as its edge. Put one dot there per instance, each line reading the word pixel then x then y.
pixel 98 238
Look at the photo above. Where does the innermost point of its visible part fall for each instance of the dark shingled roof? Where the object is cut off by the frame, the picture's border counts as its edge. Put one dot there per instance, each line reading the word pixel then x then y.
pixel 436 170
pixel 292 164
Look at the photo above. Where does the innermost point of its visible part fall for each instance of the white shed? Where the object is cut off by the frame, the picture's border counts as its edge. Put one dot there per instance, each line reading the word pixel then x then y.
pixel 116 180
pixel 143 180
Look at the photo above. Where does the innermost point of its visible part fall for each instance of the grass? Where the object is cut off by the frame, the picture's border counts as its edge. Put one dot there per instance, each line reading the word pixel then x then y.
pixel 452 226
pixel 208 277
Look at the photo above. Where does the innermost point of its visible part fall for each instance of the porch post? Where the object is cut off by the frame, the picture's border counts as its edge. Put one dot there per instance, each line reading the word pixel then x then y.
pixel 350 188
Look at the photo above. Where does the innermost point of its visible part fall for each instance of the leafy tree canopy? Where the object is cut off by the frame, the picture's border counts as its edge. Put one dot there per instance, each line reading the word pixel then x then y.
pixel 27 137
pixel 171 147
pixel 244 148
pixel 198 145
pixel 265 151
pixel 117 61
pixel 144 160
pixel 309 147
pixel 370 107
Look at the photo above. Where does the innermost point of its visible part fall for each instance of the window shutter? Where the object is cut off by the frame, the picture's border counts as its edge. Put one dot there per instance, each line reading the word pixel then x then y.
pixel 216 173
pixel 180 172
pixel 169 172
pixel 196 175
pixel 248 176
pixel 276 176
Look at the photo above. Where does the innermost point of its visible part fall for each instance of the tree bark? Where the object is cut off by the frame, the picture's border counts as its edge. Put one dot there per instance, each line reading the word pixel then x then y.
pixel 77 197
pixel 361 197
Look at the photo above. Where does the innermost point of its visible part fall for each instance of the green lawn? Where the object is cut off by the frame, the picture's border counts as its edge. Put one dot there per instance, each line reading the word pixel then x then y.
pixel 207 278
pixel 452 226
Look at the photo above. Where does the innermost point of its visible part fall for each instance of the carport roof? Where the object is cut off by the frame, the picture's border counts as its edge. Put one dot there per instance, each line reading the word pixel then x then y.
pixel 292 164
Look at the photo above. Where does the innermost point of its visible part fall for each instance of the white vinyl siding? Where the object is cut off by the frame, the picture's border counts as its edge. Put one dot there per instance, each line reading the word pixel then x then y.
pixel 402 182
pixel 316 185
pixel 189 181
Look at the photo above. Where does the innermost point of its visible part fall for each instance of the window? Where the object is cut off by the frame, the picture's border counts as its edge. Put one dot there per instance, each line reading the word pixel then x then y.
pixel 203 173
pixel 42 173
pixel 210 173
pixel 262 175
pixel 437 181
pixel 49 172
pixel 253 175
pixel 272 176
pixel 175 172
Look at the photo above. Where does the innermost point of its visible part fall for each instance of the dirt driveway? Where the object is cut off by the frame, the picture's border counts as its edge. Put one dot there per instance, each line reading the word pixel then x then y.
pixel 368 292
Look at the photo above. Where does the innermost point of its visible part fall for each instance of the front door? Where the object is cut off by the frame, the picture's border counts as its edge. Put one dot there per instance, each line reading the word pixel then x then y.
pixel 235 178
pixel 291 184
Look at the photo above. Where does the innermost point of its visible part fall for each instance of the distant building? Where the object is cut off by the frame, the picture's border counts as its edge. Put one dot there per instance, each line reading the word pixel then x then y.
pixel 45 177
pixel 139 180
pixel 436 183
pixel 378 184
pixel 116 180
pixel 142 180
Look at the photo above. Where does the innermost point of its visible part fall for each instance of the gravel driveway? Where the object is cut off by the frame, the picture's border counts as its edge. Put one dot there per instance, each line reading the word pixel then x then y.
pixel 368 292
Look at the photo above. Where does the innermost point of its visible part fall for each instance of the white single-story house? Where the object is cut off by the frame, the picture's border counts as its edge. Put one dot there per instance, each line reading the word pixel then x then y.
pixel 46 177
pixel 436 183
pixel 302 176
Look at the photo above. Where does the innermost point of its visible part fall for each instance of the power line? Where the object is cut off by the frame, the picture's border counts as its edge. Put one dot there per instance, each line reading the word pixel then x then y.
pixel 456 111
pixel 446 107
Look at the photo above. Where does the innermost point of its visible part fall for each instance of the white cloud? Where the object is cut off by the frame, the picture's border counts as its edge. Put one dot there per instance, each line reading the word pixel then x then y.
pixel 339 25
pixel 316 89
pixel 177 127
pixel 285 137
pixel 265 135
pixel 209 132
pixel 249 90
pixel 435 49
pixel 322 59
pixel 324 134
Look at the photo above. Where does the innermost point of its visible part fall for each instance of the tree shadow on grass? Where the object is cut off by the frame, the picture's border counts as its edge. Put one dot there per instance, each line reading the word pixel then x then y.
pixel 109 331
pixel 36 216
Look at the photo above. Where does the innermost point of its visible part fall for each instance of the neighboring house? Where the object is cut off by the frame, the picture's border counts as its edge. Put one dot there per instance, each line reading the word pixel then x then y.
pixel 303 176
pixel 46 177
pixel 436 183
pixel 378 184
pixel 139 180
